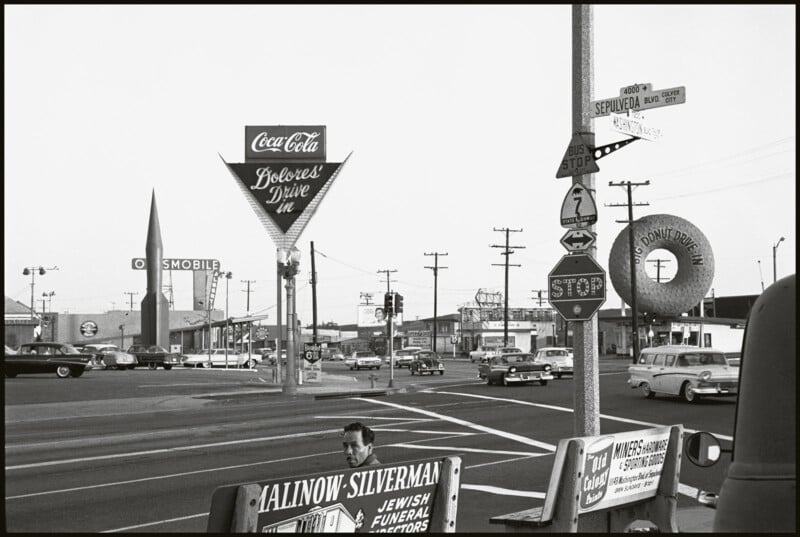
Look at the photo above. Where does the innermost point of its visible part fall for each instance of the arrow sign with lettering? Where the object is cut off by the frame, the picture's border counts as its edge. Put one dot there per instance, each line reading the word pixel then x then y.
pixel 578 208
pixel 576 240
pixel 637 97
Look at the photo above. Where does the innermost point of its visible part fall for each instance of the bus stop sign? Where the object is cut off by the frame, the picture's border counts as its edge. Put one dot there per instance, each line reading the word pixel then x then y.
pixel 577 287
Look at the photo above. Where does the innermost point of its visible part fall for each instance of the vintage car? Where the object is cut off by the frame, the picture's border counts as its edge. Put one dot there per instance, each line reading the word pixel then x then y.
pixel 403 357
pixel 516 368
pixel 734 358
pixel 217 359
pixel 59 358
pixel 689 372
pixel 153 356
pixel 110 356
pixel 337 357
pixel 559 358
pixel 363 360
pixel 426 362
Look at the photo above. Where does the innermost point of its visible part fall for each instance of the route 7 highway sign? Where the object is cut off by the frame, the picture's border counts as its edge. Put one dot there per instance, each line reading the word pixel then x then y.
pixel 577 287
pixel 578 208
pixel 576 240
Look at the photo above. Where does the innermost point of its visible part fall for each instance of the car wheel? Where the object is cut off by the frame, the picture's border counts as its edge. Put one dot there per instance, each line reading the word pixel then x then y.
pixel 132 366
pixel 543 382
pixel 411 371
pixel 76 372
pixel 558 375
pixel 441 372
pixel 378 368
pixel 505 381
pixel 62 371
pixel 351 368
pixel 206 364
pixel 252 364
pixel 646 391
pixel 688 394
pixel 152 365
pixel 11 374
pixel 489 380
pixel 167 366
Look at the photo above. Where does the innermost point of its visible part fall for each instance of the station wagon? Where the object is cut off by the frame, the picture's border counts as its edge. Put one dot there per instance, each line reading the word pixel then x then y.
pixel 689 372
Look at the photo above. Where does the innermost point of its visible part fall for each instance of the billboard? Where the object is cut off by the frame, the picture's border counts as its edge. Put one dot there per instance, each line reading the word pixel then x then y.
pixel 282 142
pixel 372 315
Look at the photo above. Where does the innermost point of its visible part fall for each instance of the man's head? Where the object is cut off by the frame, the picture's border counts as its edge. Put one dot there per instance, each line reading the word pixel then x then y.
pixel 357 442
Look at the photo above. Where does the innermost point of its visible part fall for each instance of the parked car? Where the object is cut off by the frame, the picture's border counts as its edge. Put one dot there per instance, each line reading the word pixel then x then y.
pixel 497 351
pixel 337 357
pixel 10 350
pixel 479 354
pixel 218 359
pixel 111 356
pixel 559 358
pixel 403 357
pixel 46 357
pixel 363 360
pixel 426 362
pixel 272 357
pixel 689 372
pixel 515 368
pixel 153 356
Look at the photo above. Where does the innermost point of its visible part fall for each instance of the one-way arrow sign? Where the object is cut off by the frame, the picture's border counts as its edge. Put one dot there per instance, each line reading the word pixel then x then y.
pixel 576 240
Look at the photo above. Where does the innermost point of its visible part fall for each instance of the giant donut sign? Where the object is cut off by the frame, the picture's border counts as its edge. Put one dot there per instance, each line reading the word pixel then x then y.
pixel 692 252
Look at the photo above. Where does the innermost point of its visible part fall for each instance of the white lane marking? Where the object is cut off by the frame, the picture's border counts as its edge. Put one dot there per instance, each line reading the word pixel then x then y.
pixel 496 432
pixel 167 521
pixel 504 492
pixel 169 476
pixel 469 450
pixel 565 409
pixel 501 462
pixel 169 450
pixel 371 418
pixel 420 431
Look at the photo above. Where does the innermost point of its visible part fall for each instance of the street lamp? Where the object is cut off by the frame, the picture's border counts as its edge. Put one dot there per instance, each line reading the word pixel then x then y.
pixel 31 271
pixel 774 270
pixel 228 276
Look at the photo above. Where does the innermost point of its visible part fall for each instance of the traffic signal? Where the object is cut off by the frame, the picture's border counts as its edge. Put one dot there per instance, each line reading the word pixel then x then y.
pixel 398 303
pixel 388 308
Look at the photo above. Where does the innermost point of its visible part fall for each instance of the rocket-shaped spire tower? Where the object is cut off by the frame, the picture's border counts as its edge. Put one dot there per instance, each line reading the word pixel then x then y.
pixel 155 308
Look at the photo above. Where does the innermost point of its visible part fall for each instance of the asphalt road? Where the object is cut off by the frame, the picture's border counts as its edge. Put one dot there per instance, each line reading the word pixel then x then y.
pixel 147 448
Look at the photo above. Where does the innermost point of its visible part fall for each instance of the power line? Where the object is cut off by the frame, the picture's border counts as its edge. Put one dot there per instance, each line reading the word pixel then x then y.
pixel 508 250
pixel 435 268
pixel 761 180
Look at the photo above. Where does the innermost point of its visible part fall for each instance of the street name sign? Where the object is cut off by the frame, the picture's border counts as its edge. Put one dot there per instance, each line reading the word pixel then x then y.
pixel 578 159
pixel 577 287
pixel 576 240
pixel 637 97
pixel 578 208
pixel 634 126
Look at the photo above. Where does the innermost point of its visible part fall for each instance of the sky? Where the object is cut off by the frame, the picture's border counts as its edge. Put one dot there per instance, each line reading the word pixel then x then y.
pixel 455 117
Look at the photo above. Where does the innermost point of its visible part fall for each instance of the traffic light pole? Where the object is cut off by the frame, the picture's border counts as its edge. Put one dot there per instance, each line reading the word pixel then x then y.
pixel 391 347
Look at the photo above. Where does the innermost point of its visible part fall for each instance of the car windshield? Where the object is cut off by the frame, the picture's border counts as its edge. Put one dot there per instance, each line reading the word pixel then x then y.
pixel 518 358
pixel 405 353
pixel 69 349
pixel 156 348
pixel 701 358
pixel 558 352
pixel 363 354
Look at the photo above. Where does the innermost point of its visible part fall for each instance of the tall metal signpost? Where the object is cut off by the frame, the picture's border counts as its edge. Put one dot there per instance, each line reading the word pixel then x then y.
pixel 284 178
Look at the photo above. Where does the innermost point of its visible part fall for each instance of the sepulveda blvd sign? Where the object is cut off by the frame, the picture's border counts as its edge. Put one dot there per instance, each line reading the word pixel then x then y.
pixel 577 287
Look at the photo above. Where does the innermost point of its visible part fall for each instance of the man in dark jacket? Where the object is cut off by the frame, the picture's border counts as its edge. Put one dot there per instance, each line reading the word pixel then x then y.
pixel 357 442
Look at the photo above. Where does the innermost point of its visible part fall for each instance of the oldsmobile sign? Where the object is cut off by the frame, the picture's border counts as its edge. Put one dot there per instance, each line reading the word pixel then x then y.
pixel 282 142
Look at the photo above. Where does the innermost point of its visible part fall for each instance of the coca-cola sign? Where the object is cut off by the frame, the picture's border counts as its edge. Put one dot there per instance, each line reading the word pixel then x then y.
pixel 284 142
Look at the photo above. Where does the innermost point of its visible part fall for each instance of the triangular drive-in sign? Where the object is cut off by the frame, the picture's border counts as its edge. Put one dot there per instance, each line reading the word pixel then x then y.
pixel 578 160
pixel 285 194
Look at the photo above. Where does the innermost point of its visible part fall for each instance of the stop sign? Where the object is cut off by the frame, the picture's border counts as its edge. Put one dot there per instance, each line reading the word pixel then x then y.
pixel 577 287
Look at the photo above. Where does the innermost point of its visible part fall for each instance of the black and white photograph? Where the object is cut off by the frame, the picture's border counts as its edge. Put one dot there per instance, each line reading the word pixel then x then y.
pixel 452 268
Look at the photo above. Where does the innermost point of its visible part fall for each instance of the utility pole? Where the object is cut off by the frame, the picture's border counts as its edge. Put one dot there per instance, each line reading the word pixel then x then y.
pixel 658 267
pixel 131 293
pixel 366 297
pixel 390 327
pixel 435 268
pixel 506 252
pixel 250 324
pixel 539 295
pixel 586 398
pixel 634 311
pixel 761 275
pixel 313 295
